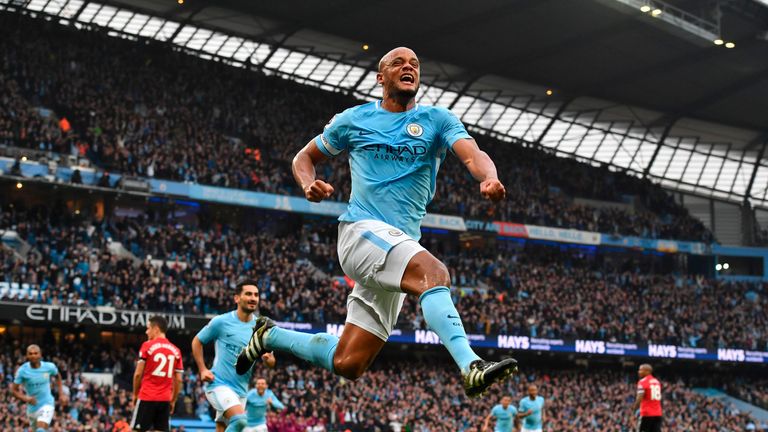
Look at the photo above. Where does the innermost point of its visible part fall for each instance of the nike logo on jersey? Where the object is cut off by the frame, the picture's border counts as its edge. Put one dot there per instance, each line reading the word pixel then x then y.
pixel 453 317
pixel 363 132
pixel 230 335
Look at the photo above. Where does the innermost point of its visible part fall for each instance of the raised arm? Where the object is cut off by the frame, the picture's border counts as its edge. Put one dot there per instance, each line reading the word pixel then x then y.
pixel 481 167
pixel 303 168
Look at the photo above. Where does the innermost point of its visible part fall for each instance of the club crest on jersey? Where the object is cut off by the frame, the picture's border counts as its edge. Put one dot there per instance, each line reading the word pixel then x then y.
pixel 46 375
pixel 414 129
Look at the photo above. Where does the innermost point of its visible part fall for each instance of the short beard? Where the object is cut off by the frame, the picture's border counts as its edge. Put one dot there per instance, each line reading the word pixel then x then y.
pixel 404 95
pixel 246 309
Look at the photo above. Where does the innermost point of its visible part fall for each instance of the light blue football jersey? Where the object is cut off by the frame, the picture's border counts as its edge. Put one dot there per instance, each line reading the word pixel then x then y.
pixel 532 421
pixel 230 336
pixel 256 406
pixel 37 383
pixel 394 159
pixel 505 418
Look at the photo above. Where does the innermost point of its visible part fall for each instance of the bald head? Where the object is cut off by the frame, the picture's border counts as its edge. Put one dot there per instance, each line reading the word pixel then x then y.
pixel 395 53
pixel 399 74
pixel 644 370
pixel 34 354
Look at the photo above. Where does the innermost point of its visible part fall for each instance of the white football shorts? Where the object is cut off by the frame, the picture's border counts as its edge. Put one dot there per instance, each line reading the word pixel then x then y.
pixel 43 414
pixel 375 254
pixel 221 399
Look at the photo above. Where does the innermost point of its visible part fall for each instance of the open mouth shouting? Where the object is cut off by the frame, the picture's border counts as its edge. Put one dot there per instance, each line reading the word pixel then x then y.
pixel 408 78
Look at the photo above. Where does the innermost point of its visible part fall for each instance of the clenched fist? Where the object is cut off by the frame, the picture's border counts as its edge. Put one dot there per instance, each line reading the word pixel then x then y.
pixel 318 191
pixel 493 190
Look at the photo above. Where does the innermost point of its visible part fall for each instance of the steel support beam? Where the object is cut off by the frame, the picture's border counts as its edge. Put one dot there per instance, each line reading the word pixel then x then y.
pixel 663 137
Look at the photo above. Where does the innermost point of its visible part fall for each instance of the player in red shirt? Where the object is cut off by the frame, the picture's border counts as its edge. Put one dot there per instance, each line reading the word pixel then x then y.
pixel 155 392
pixel 648 399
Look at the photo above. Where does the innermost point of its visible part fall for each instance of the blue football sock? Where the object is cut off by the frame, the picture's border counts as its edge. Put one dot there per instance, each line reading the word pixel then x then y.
pixel 443 319
pixel 40 430
pixel 317 349
pixel 237 423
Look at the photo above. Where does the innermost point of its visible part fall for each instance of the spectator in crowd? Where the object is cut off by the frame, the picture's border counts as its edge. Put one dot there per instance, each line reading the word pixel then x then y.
pixel 533 293
pixel 174 116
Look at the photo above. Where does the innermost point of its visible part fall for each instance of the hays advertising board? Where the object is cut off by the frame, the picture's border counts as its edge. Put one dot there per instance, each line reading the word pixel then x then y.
pixel 28 313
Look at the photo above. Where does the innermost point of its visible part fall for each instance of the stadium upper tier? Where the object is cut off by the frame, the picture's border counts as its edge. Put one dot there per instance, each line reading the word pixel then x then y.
pixel 549 294
pixel 144 109
pixel 408 391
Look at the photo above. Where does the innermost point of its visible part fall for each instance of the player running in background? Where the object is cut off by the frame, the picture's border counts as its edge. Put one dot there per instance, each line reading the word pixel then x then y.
pixel 648 399
pixel 506 416
pixel 531 410
pixel 157 380
pixel 395 149
pixel 35 377
pixel 225 389
pixel 257 402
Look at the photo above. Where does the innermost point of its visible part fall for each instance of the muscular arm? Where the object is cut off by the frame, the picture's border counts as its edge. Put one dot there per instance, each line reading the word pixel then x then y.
pixel 477 161
pixel 481 167
pixel 303 168
pixel 16 389
pixel 197 354
pixel 137 379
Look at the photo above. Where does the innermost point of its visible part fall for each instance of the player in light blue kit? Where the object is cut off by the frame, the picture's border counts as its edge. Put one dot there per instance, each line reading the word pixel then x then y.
pixel 35 376
pixel 257 402
pixel 506 416
pixel 226 390
pixel 395 148
pixel 531 410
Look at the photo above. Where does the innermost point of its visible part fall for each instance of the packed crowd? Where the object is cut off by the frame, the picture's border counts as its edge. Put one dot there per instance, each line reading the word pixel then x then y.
pixel 550 294
pixel 180 270
pixel 555 300
pixel 754 391
pixel 396 395
pixel 143 109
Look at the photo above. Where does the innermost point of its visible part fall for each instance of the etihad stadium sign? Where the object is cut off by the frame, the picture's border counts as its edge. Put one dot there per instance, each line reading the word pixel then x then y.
pixel 107 317
pixel 99 316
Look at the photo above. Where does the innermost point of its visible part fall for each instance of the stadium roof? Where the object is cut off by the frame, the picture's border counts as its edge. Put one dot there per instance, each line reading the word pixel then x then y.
pixel 649 95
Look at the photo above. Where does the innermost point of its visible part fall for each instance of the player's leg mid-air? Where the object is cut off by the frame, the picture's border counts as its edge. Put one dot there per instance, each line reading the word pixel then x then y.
pixel 378 235
pixel 350 355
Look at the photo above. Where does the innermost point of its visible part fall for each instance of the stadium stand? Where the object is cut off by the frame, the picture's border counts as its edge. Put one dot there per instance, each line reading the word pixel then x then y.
pixel 539 292
pixel 144 109
pixel 141 118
